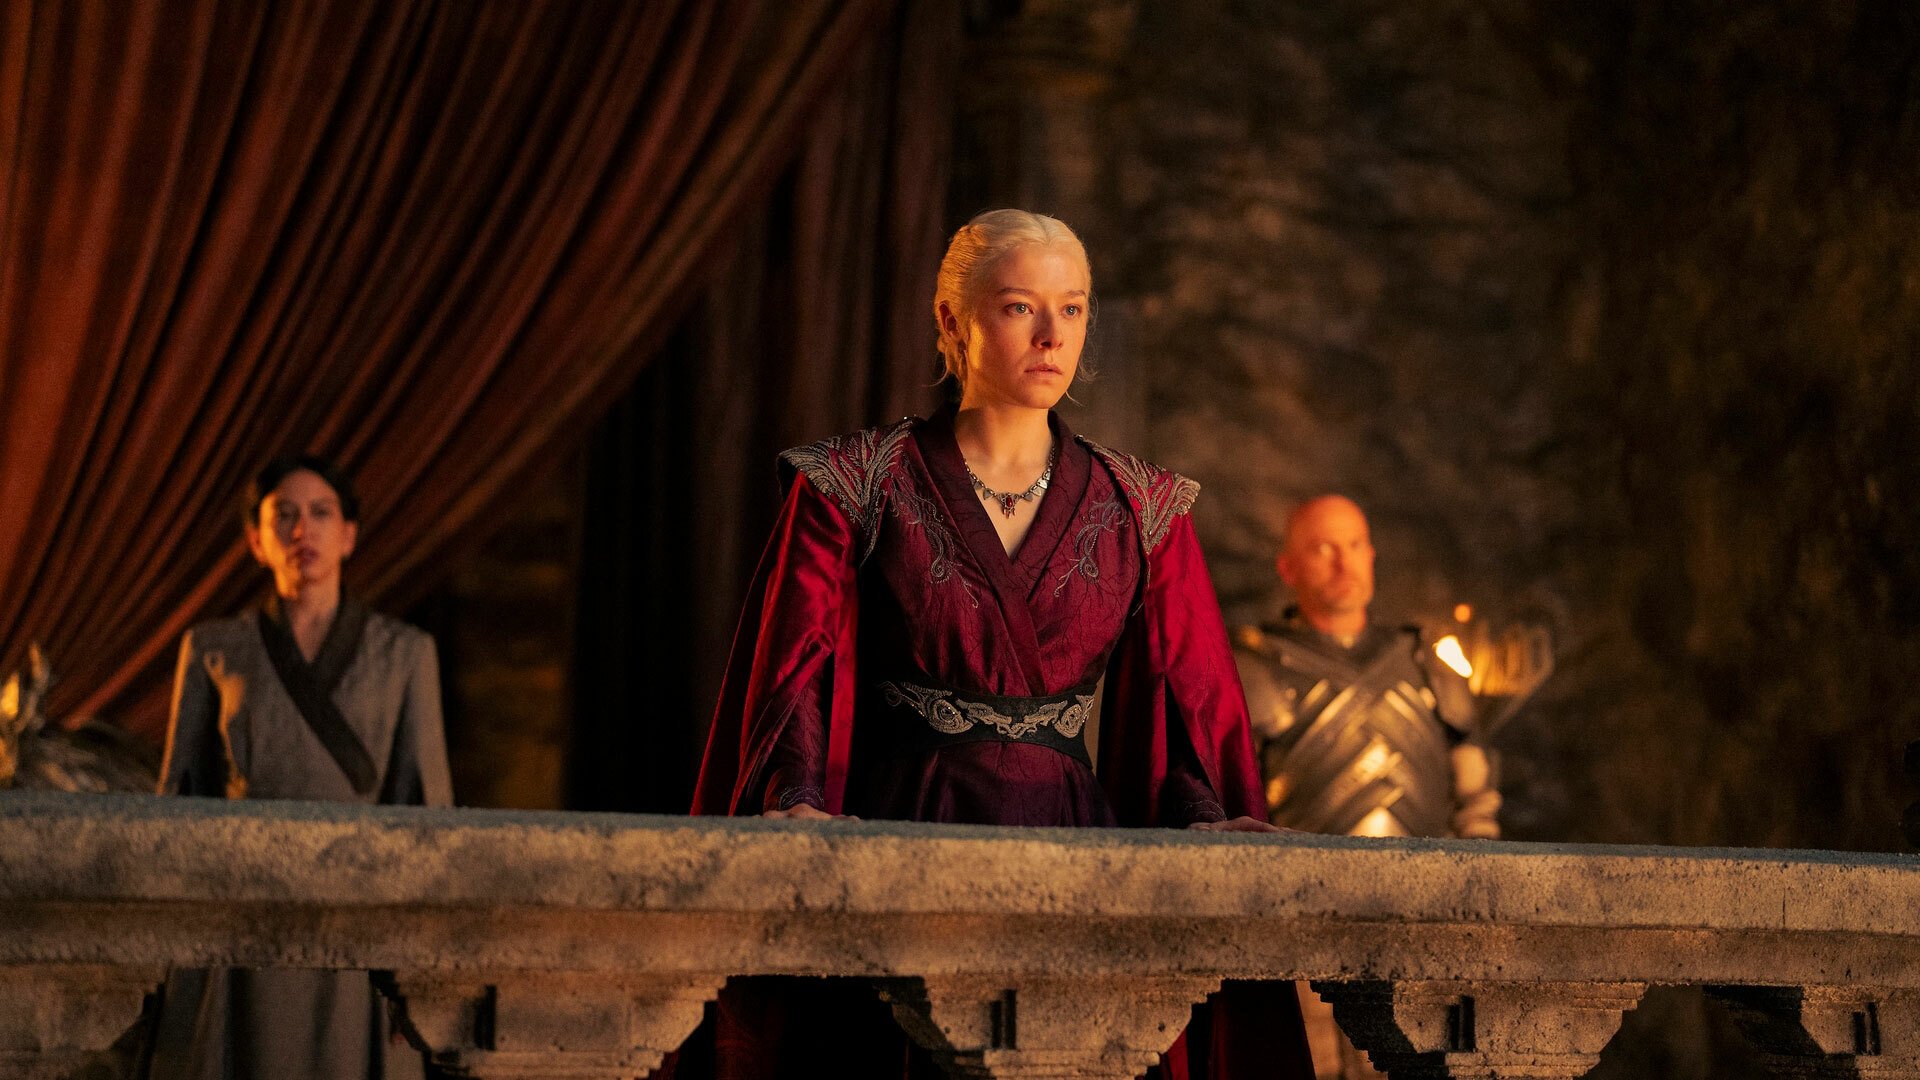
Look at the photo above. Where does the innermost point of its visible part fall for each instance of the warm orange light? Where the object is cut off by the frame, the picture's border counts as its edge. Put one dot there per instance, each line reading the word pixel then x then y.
pixel 1375 762
pixel 1462 613
pixel 1449 651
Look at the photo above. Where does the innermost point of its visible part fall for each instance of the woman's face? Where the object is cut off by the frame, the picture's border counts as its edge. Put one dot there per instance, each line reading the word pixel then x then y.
pixel 1027 328
pixel 301 534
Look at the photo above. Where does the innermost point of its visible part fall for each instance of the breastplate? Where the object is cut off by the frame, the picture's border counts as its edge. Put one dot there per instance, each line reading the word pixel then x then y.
pixel 1351 741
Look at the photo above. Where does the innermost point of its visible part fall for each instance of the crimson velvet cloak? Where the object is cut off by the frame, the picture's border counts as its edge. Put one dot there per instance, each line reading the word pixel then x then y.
pixel 885 565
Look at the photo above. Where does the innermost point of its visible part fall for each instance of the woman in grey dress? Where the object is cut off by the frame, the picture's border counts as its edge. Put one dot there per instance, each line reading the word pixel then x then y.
pixel 311 696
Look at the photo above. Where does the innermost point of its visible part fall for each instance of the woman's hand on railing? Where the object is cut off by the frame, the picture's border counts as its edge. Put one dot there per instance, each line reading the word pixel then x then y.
pixel 1239 824
pixel 806 812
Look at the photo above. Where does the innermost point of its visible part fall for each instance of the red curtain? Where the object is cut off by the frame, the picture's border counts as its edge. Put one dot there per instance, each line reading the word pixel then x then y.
pixel 428 239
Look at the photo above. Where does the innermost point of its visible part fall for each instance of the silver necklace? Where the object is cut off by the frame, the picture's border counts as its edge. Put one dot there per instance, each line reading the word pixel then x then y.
pixel 1006 499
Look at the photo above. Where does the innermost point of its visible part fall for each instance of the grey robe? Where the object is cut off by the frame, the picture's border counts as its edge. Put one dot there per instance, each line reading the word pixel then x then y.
pixel 236 733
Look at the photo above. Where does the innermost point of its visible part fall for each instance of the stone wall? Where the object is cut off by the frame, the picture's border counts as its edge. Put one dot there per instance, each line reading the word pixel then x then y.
pixel 1740 384
pixel 1342 259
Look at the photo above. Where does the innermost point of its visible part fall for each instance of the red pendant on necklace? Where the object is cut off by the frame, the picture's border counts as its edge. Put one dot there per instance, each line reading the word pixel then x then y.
pixel 1006 505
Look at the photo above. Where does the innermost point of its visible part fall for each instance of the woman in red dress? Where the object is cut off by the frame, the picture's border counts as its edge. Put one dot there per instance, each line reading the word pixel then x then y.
pixel 940 597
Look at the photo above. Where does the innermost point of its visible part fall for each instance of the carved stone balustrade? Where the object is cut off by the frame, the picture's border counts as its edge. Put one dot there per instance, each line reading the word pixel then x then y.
pixel 575 945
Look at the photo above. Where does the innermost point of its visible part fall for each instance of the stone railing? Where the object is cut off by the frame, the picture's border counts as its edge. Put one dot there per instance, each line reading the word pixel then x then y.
pixel 585 945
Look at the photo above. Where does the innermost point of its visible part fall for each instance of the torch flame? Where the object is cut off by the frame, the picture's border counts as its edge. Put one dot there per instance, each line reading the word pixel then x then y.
pixel 1449 651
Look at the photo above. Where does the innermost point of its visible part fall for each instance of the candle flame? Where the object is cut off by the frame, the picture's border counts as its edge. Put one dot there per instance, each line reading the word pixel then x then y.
pixel 1449 651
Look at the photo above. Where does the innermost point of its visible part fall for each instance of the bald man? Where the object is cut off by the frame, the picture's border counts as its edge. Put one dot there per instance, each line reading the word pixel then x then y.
pixel 1363 730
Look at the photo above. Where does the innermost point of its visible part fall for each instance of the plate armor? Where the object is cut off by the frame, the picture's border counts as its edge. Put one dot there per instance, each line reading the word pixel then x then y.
pixel 1355 739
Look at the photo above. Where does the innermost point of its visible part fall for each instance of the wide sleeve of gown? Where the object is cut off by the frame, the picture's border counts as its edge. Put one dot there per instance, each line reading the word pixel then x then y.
pixel 784 725
pixel 1175 746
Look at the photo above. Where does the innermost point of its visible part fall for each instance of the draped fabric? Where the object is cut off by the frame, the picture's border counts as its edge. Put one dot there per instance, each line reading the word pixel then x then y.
pixel 816 320
pixel 429 239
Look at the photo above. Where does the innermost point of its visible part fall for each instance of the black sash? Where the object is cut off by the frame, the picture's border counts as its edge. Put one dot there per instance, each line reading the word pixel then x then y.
pixel 311 686
pixel 931 716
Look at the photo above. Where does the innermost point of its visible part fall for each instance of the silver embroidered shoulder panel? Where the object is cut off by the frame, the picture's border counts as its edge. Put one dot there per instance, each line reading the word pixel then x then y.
pixel 851 470
pixel 1161 495
pixel 950 714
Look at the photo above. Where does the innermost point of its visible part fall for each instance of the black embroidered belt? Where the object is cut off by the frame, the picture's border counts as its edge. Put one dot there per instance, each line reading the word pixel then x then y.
pixel 947 717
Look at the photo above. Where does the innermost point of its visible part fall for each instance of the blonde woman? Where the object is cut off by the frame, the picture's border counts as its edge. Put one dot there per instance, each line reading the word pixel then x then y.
pixel 939 599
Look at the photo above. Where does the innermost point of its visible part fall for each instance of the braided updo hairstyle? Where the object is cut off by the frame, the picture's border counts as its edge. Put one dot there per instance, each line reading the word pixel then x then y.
pixel 974 249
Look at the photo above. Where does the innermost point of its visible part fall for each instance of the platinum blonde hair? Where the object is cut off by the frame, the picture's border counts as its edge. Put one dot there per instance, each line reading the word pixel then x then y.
pixel 979 244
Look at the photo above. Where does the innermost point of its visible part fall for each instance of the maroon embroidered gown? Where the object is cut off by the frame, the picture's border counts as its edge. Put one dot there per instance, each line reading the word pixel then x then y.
pixel 885 566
